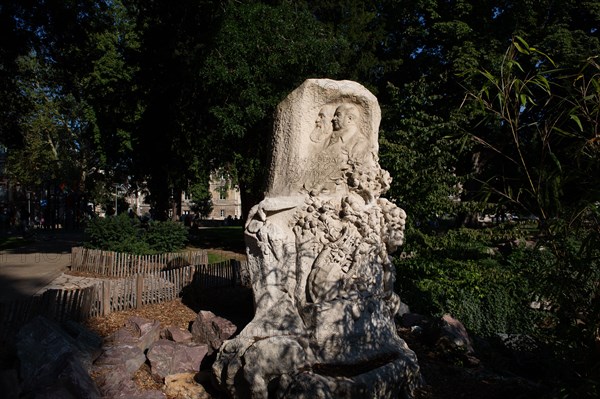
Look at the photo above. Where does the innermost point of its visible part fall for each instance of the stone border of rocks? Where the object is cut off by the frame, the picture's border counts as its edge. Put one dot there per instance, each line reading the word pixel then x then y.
pixel 68 361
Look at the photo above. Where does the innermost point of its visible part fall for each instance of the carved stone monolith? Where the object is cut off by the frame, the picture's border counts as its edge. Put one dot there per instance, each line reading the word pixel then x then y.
pixel 318 256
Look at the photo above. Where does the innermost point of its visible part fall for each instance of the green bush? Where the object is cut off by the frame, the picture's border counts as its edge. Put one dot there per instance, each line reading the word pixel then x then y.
pixel 166 236
pixel 126 234
pixel 458 272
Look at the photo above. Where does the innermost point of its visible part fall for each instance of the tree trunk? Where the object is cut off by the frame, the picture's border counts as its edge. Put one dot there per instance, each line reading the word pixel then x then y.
pixel 176 205
pixel 249 199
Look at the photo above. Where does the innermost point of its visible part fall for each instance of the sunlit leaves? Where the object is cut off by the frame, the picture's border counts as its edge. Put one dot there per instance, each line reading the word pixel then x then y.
pixel 541 120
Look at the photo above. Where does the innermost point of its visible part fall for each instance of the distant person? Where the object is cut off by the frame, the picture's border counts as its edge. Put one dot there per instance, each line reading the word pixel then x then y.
pixel 24 216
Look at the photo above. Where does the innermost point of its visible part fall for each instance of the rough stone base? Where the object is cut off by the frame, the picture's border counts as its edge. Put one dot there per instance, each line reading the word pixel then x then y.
pixel 395 379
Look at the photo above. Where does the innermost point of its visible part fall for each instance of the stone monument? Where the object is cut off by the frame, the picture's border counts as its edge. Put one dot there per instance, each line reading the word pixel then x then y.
pixel 318 255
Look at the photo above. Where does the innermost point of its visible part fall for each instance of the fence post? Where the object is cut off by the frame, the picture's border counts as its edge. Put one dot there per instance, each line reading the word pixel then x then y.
pixel 139 289
pixel 235 278
pixel 105 297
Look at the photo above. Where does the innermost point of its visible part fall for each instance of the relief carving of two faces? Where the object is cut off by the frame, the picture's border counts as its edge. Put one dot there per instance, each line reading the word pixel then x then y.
pixel 338 140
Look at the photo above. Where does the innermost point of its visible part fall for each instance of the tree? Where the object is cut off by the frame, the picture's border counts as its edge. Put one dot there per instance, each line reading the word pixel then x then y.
pixel 437 47
pixel 260 54
pixel 54 131
pixel 359 31
pixel 171 146
pixel 540 144
pixel 73 74
pixel 418 149
pixel 201 199
pixel 13 44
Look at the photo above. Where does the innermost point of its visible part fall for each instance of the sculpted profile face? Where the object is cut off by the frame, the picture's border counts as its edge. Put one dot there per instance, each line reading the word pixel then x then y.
pixel 322 120
pixel 323 126
pixel 345 117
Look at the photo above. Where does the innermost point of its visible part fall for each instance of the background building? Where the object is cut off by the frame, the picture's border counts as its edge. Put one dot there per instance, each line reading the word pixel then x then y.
pixel 226 199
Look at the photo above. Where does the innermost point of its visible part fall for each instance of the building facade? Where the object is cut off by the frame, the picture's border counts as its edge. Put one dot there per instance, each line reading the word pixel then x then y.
pixel 226 199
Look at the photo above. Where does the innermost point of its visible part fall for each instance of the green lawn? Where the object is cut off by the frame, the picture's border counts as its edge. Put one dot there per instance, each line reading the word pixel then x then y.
pixel 219 240
pixel 12 242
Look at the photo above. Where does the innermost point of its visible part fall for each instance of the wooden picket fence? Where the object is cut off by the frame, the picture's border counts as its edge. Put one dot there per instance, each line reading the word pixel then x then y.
pixel 57 304
pixel 116 294
pixel 117 264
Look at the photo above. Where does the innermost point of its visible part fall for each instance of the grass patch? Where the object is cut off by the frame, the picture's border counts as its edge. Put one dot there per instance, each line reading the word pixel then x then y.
pixel 226 238
pixel 13 242
pixel 216 256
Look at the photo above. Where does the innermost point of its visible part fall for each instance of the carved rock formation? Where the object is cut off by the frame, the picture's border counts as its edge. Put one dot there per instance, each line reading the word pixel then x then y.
pixel 318 249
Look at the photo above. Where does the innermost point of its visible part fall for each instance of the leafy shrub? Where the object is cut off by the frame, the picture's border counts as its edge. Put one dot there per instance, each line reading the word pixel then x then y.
pixel 126 234
pixel 458 272
pixel 165 236
pixel 119 234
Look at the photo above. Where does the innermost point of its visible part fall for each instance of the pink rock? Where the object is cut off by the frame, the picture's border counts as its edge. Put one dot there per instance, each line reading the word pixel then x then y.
pixel 211 329
pixel 168 357
pixel 178 335
pixel 454 335
pixel 137 332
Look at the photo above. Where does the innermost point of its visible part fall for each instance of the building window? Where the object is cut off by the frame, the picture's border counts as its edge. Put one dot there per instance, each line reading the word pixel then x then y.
pixel 222 213
pixel 223 193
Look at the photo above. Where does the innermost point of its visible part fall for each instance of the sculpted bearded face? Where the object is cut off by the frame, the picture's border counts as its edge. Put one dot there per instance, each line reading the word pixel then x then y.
pixel 323 126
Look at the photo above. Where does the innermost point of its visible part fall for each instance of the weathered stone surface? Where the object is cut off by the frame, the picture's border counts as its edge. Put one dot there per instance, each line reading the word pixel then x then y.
pixel 307 152
pixel 115 383
pixel 130 357
pixel 184 386
pixel 454 336
pixel 138 332
pixel 50 359
pixel 403 309
pixel 74 378
pixel 88 342
pixel 318 250
pixel 113 379
pixel 370 380
pixel 177 334
pixel 168 357
pixel 211 329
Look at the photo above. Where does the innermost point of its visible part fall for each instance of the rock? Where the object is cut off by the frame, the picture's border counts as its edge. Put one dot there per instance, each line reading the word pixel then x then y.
pixel 403 309
pixel 51 360
pixel 168 357
pixel 453 336
pixel 114 383
pixel 136 332
pixel 88 342
pixel 211 329
pixel 75 379
pixel 176 334
pixel 184 386
pixel 130 357
pixel 413 319
pixel 141 394
pixel 112 379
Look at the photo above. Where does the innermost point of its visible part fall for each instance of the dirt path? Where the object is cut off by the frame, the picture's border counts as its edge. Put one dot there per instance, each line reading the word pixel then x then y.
pixel 26 270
